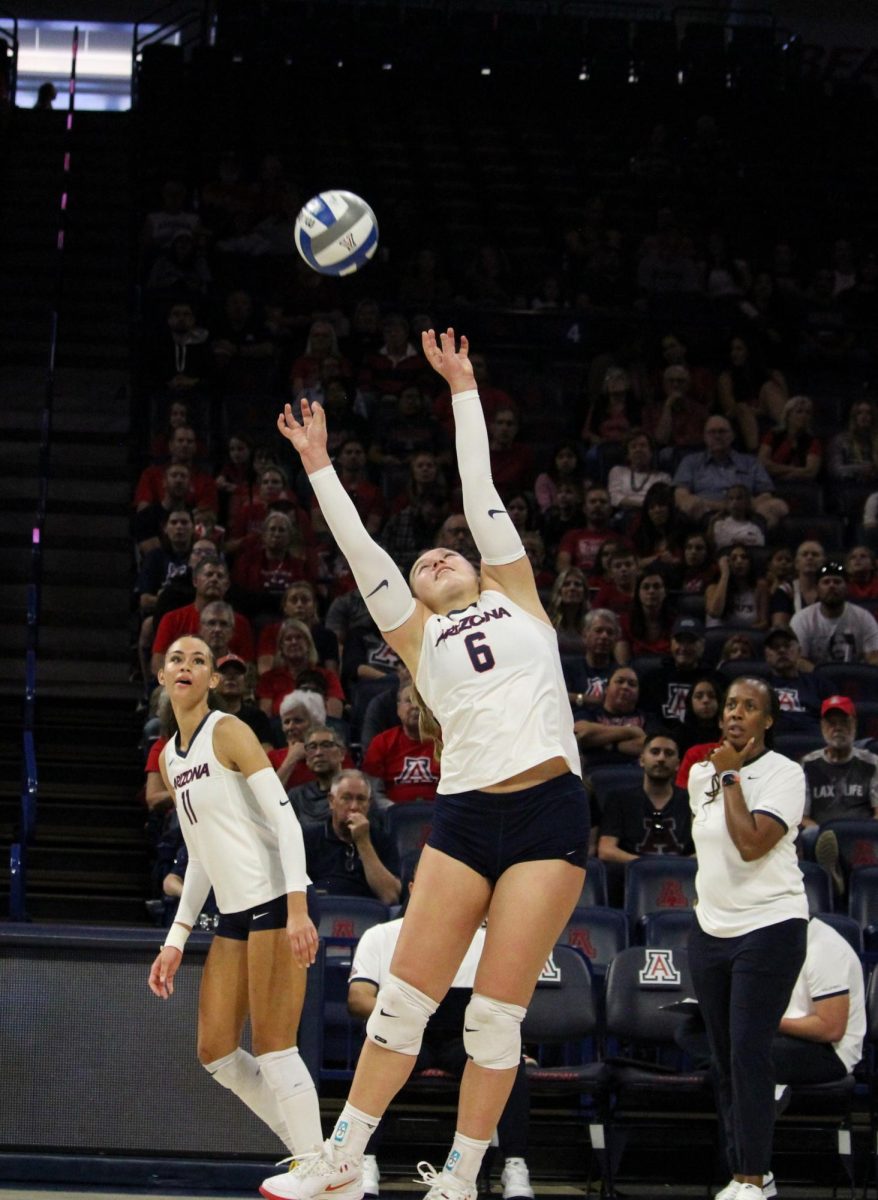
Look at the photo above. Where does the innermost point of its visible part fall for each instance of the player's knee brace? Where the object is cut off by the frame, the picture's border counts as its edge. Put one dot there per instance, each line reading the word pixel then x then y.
pixel 400 1015
pixel 492 1032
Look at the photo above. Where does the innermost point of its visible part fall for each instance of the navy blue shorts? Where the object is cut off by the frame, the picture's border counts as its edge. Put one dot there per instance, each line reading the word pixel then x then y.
pixel 239 925
pixel 490 831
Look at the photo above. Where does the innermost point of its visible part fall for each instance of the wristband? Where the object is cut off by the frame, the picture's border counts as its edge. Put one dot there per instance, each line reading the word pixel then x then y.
pixel 729 777
pixel 177 937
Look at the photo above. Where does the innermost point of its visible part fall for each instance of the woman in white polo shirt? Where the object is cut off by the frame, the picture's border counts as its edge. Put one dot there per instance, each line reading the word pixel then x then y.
pixel 749 943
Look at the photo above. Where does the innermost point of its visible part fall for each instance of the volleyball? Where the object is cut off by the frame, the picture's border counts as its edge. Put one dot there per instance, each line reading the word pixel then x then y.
pixel 336 233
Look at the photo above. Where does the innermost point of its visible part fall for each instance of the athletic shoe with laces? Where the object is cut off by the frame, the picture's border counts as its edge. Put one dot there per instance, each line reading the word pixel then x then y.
pixel 371 1176
pixel 316 1176
pixel 444 1186
pixel 769 1187
pixel 515 1180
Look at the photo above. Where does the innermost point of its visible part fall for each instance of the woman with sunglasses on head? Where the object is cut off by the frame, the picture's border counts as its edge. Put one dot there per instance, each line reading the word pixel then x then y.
pixel 244 842
pixel 749 941
pixel 510 820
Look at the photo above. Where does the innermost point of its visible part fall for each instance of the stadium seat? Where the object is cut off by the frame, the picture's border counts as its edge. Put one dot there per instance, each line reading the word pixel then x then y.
pixel 818 887
pixel 594 890
pixel 409 826
pixel 599 932
pixel 668 930
pixel 744 666
pixel 858 681
pixel 863 906
pixel 656 883
pixel 796 745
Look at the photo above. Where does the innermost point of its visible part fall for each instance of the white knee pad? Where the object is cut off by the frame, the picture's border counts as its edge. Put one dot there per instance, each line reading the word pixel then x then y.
pixel 399 1017
pixel 492 1032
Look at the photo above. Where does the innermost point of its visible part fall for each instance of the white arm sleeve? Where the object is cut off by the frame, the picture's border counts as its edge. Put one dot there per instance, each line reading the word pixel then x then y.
pixel 496 538
pixel 385 592
pixel 272 799
pixel 196 885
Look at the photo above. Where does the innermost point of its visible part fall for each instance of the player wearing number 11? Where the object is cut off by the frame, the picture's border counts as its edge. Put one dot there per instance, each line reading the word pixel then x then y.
pixel 510 824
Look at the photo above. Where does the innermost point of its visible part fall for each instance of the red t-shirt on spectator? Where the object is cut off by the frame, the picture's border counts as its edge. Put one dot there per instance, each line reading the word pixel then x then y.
pixel 279 682
pixel 187 620
pixel 693 755
pixel 151 487
pixel 254 572
pixel 409 768
pixel 584 546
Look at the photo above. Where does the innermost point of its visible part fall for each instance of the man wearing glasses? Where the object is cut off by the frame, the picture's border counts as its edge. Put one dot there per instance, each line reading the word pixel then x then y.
pixel 348 855
pixel 325 756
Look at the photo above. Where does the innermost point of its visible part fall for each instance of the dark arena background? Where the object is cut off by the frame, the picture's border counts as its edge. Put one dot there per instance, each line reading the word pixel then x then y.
pixel 639 214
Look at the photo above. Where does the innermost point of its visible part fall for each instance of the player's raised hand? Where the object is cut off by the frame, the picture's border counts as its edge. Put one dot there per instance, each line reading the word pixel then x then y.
pixel 448 359
pixel 307 436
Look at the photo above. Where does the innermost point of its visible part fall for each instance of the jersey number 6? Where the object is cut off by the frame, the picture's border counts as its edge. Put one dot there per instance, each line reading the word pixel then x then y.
pixel 480 655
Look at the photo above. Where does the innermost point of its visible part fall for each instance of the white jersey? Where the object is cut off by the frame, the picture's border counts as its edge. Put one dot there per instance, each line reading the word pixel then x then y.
pixel 832 968
pixel 375 949
pixel 223 826
pixel 491 673
pixel 734 896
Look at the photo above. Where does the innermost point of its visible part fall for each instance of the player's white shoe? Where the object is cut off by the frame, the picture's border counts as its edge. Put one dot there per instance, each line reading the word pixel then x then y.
pixel 316 1176
pixel 444 1186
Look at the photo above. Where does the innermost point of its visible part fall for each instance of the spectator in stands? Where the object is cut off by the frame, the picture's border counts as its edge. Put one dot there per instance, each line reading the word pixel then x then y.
pixel 629 485
pixel 179 412
pixel 665 689
pixel 580 547
pixel 567 609
pixel 859 566
pixel 780 568
pixel 231 697
pixel 748 392
pixel 47 94
pixel 403 760
pixel 349 612
pixel 565 468
pixel 217 628
pixel 162 224
pixel 800 693
pixel 791 597
pixel 511 459
pixel 535 548
pixel 563 516
pixel 703 478
pixel 617 593
pixel 321 344
pixel 612 732
pixel 647 628
pixel 653 818
pixel 852 456
pixel 405 427
pixel 368 500
pixel 236 481
pixel 522 511
pixel 493 398
pixel 424 286
pixel 264 570
pixel 211 580
pixel 274 495
pixel 442 1048
pixel 678 419
pixel 825 338
pixel 667 267
pixel 790 452
pixel 149 521
pixel 841 780
pixel 295 653
pixel 300 712
pixel 738 522
pixel 832 630
pixel 408 531
pixel 180 271
pixel 368 665
pixel 696 570
pixel 180 590
pixel 299 601
pixel 740 595
pixel 674 351
pixel 614 413
pixel 151 485
pixel 658 533
pixel 587 674
pixel 325 755
pixel 178 358
pixel 166 561
pixel 347 855
pixel 242 348
pixel 397 363
pixel 699 731
pixel 424 473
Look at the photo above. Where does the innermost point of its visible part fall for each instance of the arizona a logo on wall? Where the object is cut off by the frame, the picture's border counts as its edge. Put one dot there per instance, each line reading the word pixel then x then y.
pixel 658 969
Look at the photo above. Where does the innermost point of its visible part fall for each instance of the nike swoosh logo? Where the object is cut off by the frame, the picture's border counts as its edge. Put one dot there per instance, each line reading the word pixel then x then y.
pixel 387 1014
pixel 466 1029
pixel 333 1187
pixel 383 583
pixel 287 801
pixel 492 512
pixel 256 916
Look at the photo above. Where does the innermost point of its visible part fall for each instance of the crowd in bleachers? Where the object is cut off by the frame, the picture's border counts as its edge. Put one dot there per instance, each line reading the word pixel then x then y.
pixel 682 426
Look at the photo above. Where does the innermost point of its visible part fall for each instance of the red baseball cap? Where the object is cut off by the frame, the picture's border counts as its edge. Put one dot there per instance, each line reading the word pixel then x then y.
pixel 842 703
pixel 233 660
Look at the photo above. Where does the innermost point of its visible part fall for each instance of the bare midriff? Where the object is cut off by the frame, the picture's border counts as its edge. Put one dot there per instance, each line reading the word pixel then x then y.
pixel 551 768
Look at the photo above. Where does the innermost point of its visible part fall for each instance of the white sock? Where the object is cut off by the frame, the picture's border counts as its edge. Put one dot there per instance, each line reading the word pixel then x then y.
pixel 293 1087
pixel 240 1073
pixel 465 1158
pixel 351 1134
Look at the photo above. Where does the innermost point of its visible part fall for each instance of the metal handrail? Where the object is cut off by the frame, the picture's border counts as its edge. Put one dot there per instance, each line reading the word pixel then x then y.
pixel 6 15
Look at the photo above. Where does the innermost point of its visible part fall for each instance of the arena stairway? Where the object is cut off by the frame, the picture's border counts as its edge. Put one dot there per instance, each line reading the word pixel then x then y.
pixel 88 862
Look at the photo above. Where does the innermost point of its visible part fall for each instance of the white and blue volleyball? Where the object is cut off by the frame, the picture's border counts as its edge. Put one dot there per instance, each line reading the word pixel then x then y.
pixel 336 233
